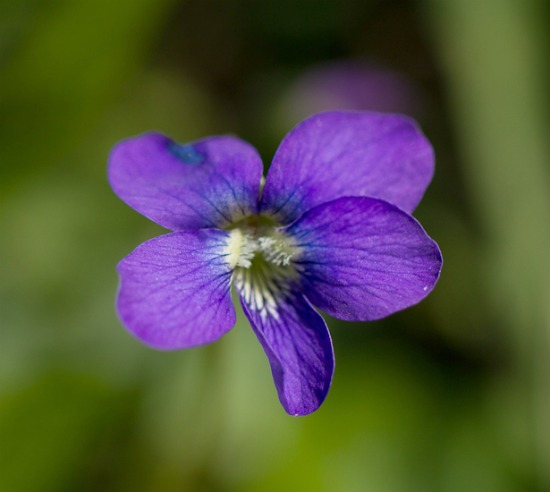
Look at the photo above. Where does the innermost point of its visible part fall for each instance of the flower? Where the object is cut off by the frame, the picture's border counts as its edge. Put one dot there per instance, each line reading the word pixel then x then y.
pixel 351 84
pixel 330 228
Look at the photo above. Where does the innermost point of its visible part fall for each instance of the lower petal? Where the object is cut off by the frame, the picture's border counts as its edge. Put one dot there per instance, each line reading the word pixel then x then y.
pixel 175 290
pixel 298 345
pixel 362 258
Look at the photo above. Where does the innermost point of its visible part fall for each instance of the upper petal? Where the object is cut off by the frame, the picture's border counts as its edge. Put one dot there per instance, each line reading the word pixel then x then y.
pixel 363 259
pixel 175 289
pixel 338 153
pixel 298 345
pixel 207 183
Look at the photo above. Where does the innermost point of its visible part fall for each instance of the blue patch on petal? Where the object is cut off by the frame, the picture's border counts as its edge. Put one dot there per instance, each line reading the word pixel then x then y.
pixel 188 154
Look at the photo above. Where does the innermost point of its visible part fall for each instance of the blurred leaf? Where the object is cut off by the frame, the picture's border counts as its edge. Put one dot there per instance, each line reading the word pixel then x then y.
pixel 16 18
pixel 494 54
pixel 68 67
pixel 51 432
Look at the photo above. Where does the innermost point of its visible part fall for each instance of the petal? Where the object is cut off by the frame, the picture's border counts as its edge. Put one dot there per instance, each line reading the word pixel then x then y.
pixel 337 153
pixel 175 290
pixel 363 258
pixel 298 345
pixel 207 183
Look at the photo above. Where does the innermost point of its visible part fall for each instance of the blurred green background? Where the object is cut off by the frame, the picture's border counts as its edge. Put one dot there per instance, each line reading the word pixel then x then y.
pixel 451 395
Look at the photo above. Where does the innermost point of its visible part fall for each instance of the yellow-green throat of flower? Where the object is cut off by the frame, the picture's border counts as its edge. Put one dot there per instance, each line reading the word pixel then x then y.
pixel 263 261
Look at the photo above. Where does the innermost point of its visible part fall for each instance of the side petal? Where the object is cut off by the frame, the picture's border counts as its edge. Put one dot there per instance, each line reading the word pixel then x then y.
pixel 298 345
pixel 175 290
pixel 207 183
pixel 338 153
pixel 362 259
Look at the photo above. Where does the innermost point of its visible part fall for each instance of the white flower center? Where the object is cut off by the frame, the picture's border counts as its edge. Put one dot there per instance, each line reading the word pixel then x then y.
pixel 262 260
pixel 240 249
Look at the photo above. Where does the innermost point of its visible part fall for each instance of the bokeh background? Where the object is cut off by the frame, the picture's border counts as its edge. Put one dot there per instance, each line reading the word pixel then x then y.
pixel 451 395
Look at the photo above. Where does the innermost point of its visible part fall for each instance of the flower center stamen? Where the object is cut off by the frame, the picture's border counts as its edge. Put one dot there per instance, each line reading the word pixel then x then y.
pixel 262 260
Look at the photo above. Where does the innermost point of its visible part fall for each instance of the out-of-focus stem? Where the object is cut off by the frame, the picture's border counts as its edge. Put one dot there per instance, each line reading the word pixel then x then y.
pixel 492 52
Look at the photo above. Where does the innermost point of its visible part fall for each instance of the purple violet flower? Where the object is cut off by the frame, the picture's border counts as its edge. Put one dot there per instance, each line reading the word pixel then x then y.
pixel 331 228
pixel 351 85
